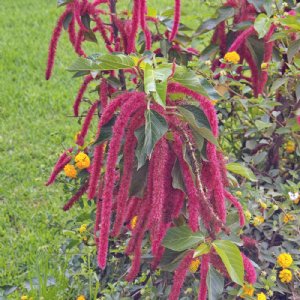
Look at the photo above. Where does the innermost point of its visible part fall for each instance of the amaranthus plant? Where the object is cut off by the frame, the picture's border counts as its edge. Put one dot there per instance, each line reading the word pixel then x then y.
pixel 155 160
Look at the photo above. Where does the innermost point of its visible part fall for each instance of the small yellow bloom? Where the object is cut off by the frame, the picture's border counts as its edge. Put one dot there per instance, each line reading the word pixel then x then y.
pixel 82 161
pixel 284 260
pixel 264 66
pixel 238 193
pixel 81 297
pixel 70 171
pixel 290 147
pixel 76 136
pixel 285 275
pixel 287 218
pixel 258 220
pixel 214 102
pixel 263 205
pixel 248 290
pixel 85 239
pixel 133 222
pixel 248 215
pixel 261 296
pixel 194 265
pixel 83 228
pixel 24 297
pixel 232 57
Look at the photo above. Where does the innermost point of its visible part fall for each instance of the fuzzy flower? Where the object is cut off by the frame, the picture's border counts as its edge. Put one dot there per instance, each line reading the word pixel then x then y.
pixel 248 215
pixel 133 222
pixel 82 161
pixel 288 218
pixel 285 276
pixel 290 147
pixel 258 221
pixel 261 296
pixel 248 290
pixel 81 297
pixel 250 273
pixel 194 265
pixel 83 228
pixel 24 297
pixel 176 21
pixel 70 171
pixel 232 57
pixel 263 205
pixel 284 260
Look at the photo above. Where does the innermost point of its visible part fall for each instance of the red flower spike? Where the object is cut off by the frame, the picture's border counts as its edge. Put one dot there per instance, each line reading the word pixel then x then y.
pixel 203 274
pixel 180 275
pixel 76 197
pixel 80 94
pixel 53 43
pixel 176 21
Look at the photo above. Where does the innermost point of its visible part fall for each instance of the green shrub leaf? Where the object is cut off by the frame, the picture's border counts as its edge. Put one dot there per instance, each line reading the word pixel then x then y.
pixel 214 283
pixel 241 170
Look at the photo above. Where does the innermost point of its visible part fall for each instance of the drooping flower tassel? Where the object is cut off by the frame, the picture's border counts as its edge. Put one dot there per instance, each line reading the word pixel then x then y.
pixel 77 14
pixel 134 26
pixel 53 43
pixel 86 124
pixel 176 20
pixel 180 275
pixel 59 166
pixel 237 205
pixel 250 273
pixel 129 152
pixel 203 276
pixel 80 94
pixel 144 26
pixel 128 109
pixel 76 197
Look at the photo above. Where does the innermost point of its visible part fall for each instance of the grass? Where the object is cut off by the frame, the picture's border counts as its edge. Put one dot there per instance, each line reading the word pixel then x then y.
pixel 34 129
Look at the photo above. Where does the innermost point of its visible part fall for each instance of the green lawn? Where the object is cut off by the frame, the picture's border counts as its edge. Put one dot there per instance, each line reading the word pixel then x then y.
pixel 34 129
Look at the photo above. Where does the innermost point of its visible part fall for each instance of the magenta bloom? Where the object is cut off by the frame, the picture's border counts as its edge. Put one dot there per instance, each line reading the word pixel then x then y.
pixel 176 21
pixel 76 197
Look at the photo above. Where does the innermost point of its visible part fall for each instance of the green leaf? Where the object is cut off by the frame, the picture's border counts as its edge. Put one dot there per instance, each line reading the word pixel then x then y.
pixel 115 62
pixel 199 115
pixel 278 83
pixel 163 71
pixel 201 249
pixel 224 13
pixel 148 135
pixel 83 64
pixel 149 79
pixel 257 48
pixel 209 51
pixel 293 50
pixel 177 177
pixel 241 170
pixel 105 132
pixel 190 80
pixel 171 259
pixel 232 259
pixel 182 238
pixel 210 90
pixel 195 125
pixel 262 125
pixel 291 21
pixel 67 20
pixel 161 93
pixel 262 25
pixel 214 283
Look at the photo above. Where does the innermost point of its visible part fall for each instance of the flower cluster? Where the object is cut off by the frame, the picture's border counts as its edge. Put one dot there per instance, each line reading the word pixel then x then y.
pixel 285 260
pixel 232 57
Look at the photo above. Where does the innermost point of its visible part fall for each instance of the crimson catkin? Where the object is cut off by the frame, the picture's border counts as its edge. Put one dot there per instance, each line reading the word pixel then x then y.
pixel 176 20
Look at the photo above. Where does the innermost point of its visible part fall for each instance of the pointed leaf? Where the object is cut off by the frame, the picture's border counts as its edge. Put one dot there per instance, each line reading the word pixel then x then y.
pixel 214 283
pixel 115 62
pixel 177 177
pixel 241 170
pixel 262 25
pixel 201 249
pixel 182 238
pixel 232 259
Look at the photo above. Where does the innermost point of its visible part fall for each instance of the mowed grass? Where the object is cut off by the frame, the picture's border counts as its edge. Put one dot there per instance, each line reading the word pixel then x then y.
pixel 34 129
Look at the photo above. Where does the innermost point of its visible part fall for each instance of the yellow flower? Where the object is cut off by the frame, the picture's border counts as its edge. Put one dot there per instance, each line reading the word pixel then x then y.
pixel 285 275
pixel 24 297
pixel 232 57
pixel 284 260
pixel 290 147
pixel 264 66
pixel 248 215
pixel 261 296
pixel 248 290
pixel 70 171
pixel 263 205
pixel 288 217
pixel 214 102
pixel 82 228
pixel 81 297
pixel 85 239
pixel 133 222
pixel 82 161
pixel 238 193
pixel 258 221
pixel 194 265
pixel 76 136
